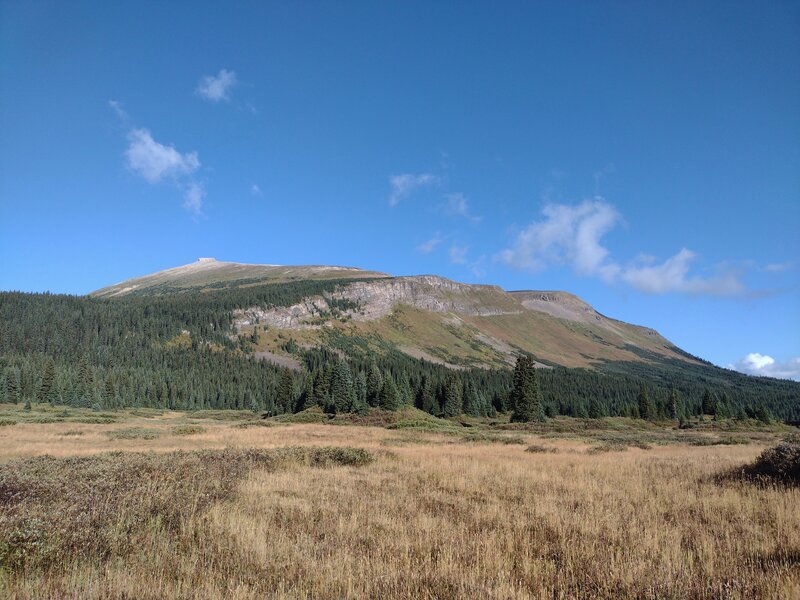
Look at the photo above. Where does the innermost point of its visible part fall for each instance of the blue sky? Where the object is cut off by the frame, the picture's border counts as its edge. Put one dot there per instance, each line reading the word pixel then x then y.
pixel 644 156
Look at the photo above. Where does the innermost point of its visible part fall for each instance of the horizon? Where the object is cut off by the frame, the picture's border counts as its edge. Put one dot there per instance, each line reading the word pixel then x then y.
pixel 642 158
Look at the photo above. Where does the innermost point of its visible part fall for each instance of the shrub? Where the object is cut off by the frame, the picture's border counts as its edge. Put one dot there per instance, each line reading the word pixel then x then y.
pixel 134 433
pixel 188 429
pixel 779 465
pixel 538 449
pixel 57 510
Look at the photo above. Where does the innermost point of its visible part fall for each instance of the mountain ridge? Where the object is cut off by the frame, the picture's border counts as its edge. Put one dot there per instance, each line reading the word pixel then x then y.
pixel 460 325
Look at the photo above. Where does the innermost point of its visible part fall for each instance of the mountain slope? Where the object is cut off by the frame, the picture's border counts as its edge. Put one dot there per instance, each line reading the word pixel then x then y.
pixel 459 325
pixel 209 273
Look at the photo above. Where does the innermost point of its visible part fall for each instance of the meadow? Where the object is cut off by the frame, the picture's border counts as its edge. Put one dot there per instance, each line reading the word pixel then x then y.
pixel 222 504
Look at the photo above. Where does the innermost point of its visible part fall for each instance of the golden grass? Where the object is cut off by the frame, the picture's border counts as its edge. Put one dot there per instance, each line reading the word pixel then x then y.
pixel 437 517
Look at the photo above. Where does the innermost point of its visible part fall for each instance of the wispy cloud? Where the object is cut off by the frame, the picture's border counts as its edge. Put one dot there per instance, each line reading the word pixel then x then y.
pixel 193 198
pixel 430 245
pixel 255 190
pixel 458 254
pixel 571 235
pixel 155 161
pixel 764 365
pixel 122 115
pixel 672 275
pixel 457 205
pixel 403 185
pixel 779 267
pixel 217 88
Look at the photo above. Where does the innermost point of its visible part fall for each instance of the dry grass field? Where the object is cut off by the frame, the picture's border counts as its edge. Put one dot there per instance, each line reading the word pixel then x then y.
pixel 199 507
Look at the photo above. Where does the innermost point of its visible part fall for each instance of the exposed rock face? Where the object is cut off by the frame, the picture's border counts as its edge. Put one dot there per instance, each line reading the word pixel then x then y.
pixel 377 299
pixel 559 304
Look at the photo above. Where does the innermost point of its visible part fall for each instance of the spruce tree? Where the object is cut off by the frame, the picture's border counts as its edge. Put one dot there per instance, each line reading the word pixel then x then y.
pixel 647 409
pixel 360 388
pixel 389 398
pixel 673 404
pixel 452 396
pixel 12 385
pixel 525 393
pixel 286 395
pixel 595 408
pixel 110 396
pixel 46 389
pixel 428 401
pixel 374 385
pixel 709 403
pixel 473 406
pixel 342 391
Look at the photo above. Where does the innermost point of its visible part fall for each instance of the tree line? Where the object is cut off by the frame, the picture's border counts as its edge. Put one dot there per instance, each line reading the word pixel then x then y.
pixel 180 351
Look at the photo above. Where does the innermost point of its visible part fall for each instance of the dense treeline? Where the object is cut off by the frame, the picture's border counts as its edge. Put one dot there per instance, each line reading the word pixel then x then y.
pixel 180 351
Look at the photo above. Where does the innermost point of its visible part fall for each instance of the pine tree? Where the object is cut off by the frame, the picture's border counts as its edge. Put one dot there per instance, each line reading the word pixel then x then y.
pixel 674 409
pixel 525 394
pixel 763 414
pixel 374 385
pixel 427 401
pixel 360 406
pixel 452 396
pixel 286 395
pixel 47 389
pixel 388 399
pixel 595 408
pixel 647 409
pixel 342 392
pixel 12 385
pixel 709 405
pixel 472 401
pixel 110 397
pixel 85 377
pixel 360 387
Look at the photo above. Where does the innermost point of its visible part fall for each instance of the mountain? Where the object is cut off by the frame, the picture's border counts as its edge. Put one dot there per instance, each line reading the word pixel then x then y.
pixel 218 335
pixel 209 273
pixel 455 324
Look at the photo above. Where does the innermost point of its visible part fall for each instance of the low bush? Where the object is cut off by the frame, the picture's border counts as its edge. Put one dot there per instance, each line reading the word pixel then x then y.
pixel 134 433
pixel 188 429
pixel 539 449
pixel 778 465
pixel 54 511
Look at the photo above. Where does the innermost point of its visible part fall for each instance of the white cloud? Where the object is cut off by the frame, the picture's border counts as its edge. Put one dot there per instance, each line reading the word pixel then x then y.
pixel 255 190
pixel 458 206
pixel 193 198
pixel 779 267
pixel 478 267
pixel 572 236
pixel 403 185
pixel 118 110
pixel 458 254
pixel 764 365
pixel 567 235
pixel 672 276
pixel 429 246
pixel 217 88
pixel 155 161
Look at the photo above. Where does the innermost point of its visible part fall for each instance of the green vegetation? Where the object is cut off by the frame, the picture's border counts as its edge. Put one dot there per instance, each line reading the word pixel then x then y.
pixel 47 516
pixel 180 351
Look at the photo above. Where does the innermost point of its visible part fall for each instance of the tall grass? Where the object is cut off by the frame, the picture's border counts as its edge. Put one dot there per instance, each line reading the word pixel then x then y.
pixel 437 518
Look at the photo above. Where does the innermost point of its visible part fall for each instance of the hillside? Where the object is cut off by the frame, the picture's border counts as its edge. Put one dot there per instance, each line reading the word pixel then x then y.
pixel 221 335
pixel 209 273
pixel 443 321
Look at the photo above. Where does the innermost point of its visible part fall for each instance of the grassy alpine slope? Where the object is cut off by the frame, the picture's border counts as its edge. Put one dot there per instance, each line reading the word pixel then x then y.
pixel 420 509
